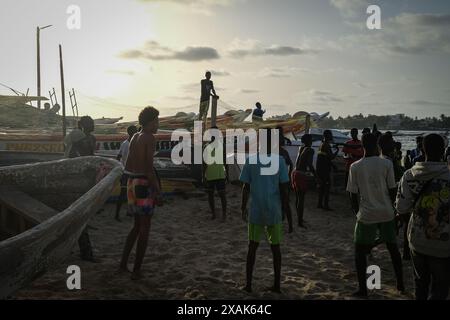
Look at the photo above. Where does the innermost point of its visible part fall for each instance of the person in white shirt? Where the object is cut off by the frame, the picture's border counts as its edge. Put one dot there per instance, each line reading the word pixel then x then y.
pixel 372 187
pixel 122 157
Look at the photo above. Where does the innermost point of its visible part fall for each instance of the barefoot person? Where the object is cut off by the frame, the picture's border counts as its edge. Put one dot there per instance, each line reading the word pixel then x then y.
pixel 290 166
pixel 207 90
pixel 143 188
pixel 215 176
pixel 122 157
pixel 269 196
pixel 299 178
pixel 324 168
pixel 81 143
pixel 371 184
pixel 424 191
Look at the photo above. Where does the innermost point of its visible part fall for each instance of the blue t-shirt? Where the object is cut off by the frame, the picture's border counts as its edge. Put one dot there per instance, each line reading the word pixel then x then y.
pixel 265 207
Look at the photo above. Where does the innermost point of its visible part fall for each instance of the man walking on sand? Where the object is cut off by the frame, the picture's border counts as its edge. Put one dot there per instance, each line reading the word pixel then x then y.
pixel 144 193
pixel 269 195
pixel 424 191
pixel 371 184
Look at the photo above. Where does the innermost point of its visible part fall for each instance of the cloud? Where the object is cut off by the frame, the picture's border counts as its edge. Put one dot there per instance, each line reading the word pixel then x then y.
pixel 404 34
pixel 319 97
pixel 182 98
pixel 243 48
pixel 249 91
pixel 122 72
pixel 350 8
pixel 430 103
pixel 361 85
pixel 204 7
pixel 195 2
pixel 155 51
pixel 423 20
pixel 220 73
pixel 281 72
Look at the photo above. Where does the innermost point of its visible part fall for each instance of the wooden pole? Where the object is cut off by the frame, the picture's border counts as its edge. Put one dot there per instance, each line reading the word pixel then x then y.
pixel 307 123
pixel 38 49
pixel 63 95
pixel 214 112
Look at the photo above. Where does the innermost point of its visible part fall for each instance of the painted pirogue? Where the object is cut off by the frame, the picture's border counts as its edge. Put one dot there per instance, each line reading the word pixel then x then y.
pixel 44 208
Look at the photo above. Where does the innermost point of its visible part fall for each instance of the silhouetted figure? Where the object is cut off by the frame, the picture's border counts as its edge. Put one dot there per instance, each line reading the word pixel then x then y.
pixel 423 194
pixel 269 198
pixel 207 90
pixel 324 166
pixel 122 156
pixel 80 143
pixel 303 164
pixel 258 112
pixel 372 187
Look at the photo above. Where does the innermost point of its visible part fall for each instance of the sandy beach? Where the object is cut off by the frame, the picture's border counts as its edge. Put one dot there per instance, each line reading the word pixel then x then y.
pixel 191 256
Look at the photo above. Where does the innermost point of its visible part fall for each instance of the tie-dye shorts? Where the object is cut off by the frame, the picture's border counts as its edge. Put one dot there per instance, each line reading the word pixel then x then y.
pixel 141 196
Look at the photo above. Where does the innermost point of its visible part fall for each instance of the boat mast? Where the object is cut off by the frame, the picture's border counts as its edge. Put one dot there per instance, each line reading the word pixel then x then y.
pixel 63 95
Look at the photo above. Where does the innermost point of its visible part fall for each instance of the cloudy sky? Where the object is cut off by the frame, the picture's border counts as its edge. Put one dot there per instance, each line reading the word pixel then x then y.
pixel 291 55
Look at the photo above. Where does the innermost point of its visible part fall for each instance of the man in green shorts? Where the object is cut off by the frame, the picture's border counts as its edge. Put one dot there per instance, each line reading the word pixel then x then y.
pixel 371 184
pixel 269 195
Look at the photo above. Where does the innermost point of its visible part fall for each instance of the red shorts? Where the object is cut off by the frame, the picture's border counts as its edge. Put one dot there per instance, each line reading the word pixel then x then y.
pixel 299 181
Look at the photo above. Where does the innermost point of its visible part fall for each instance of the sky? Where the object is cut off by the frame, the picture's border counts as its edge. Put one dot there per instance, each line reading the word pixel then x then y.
pixel 290 55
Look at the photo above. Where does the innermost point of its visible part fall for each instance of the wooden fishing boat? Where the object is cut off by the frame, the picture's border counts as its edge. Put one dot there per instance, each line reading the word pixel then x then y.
pixel 44 208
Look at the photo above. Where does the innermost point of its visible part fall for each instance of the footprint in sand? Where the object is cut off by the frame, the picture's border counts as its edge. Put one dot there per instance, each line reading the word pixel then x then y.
pixel 216 273
pixel 166 256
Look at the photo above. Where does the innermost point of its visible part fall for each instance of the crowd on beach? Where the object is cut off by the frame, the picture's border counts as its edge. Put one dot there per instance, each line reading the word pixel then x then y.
pixel 388 192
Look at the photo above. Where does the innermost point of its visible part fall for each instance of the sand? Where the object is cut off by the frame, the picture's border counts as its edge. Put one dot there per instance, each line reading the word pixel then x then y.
pixel 191 256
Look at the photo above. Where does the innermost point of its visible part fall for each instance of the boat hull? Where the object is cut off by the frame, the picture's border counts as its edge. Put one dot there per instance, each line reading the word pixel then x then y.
pixel 76 189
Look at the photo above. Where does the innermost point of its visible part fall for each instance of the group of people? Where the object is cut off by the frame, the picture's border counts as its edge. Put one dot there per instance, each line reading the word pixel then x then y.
pixel 386 190
pixel 384 196
pixel 419 198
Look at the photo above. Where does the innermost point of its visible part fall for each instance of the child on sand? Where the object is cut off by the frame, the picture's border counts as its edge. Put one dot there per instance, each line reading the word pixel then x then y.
pixel 269 195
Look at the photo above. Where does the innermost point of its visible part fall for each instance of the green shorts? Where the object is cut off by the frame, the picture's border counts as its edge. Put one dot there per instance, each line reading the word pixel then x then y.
pixel 273 233
pixel 369 234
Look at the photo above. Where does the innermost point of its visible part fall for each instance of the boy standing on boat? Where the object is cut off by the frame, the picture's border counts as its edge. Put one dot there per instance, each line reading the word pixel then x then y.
pixel 144 193
pixel 207 86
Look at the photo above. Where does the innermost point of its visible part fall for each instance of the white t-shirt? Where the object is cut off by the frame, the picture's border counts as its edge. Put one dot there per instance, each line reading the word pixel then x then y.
pixel 124 149
pixel 371 178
